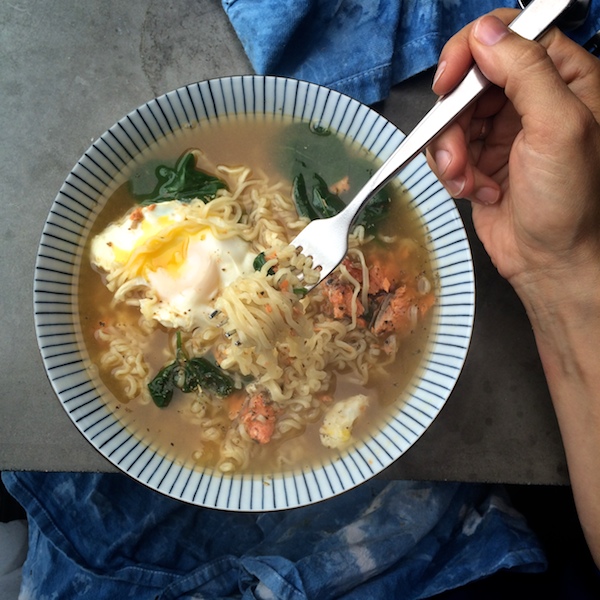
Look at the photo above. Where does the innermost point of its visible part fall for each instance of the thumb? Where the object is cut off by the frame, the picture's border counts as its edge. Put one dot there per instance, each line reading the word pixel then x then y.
pixel 523 68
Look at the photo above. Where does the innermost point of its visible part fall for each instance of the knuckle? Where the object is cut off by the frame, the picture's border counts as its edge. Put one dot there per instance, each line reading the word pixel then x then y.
pixel 532 59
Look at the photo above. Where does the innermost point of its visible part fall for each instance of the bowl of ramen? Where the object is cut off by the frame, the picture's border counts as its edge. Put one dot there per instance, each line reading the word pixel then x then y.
pixel 172 316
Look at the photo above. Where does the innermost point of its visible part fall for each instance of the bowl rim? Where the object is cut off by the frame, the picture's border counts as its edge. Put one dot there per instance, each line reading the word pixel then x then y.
pixel 56 313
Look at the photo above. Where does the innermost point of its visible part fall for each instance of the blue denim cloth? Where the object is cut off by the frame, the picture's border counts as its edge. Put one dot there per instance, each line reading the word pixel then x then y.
pixel 358 47
pixel 105 536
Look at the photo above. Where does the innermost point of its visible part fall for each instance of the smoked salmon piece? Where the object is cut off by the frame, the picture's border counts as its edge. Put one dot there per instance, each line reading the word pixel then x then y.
pixel 401 310
pixel 339 294
pixel 258 415
pixel 395 305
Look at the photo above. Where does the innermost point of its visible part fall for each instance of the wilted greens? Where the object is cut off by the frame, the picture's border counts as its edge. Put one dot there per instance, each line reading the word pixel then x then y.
pixel 188 374
pixel 183 183
pixel 316 161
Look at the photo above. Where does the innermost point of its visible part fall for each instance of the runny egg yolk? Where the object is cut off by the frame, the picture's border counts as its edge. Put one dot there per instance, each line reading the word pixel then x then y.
pixel 170 256
pixel 128 234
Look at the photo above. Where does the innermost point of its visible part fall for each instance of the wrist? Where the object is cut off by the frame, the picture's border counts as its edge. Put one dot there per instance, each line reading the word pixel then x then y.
pixel 563 305
pixel 565 284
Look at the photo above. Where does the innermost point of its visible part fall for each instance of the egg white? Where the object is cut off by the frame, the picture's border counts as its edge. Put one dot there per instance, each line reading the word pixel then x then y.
pixel 336 430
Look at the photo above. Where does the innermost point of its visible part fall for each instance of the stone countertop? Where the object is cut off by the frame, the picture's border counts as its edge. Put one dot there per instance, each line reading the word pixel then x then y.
pixel 70 70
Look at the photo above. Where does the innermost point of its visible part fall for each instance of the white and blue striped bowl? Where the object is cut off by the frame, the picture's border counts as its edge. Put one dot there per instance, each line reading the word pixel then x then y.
pixel 105 164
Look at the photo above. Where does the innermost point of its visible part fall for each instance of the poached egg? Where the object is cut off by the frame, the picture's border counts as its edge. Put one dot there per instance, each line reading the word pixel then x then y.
pixel 181 263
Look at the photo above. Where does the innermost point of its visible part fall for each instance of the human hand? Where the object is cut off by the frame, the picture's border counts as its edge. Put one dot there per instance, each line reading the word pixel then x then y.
pixel 527 154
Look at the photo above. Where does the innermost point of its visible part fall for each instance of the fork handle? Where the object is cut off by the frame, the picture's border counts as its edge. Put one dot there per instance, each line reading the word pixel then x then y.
pixel 530 24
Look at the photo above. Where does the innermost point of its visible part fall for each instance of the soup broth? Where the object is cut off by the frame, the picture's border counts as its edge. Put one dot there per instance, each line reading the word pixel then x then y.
pixel 277 151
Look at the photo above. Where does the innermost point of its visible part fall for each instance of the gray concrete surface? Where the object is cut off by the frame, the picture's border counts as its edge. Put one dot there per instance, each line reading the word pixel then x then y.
pixel 69 70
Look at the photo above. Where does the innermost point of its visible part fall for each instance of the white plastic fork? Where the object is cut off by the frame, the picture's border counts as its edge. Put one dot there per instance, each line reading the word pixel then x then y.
pixel 326 240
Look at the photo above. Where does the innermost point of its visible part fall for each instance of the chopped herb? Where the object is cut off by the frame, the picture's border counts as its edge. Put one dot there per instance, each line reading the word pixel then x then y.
pixel 319 129
pixel 260 261
pixel 183 183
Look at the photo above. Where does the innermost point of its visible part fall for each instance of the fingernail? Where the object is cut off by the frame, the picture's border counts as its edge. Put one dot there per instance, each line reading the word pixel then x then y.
pixel 443 158
pixel 490 30
pixel 456 186
pixel 487 195
pixel 438 73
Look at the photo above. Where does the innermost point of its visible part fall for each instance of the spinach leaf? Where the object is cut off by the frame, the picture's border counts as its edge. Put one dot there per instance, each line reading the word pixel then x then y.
pixel 202 373
pixel 300 197
pixel 322 202
pixel 375 211
pixel 183 183
pixel 325 203
pixel 305 150
pixel 163 385
pixel 314 153
pixel 188 375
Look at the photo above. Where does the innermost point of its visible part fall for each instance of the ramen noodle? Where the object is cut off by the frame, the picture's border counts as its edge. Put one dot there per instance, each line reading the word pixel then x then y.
pixel 207 325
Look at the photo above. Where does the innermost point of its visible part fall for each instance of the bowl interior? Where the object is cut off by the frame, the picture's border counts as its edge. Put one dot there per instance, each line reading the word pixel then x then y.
pixel 107 163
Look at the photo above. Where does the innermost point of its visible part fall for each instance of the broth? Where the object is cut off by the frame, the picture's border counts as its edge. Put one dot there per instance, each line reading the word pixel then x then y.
pixel 280 149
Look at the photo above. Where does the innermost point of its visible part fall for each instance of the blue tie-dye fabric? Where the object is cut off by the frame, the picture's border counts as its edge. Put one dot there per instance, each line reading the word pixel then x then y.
pixel 358 47
pixel 105 536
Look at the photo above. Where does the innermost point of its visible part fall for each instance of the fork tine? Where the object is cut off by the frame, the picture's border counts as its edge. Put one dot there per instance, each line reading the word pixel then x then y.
pixel 326 242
